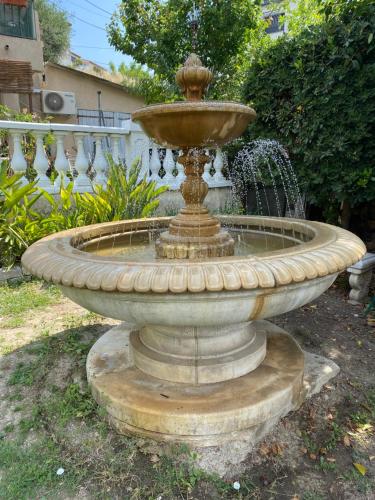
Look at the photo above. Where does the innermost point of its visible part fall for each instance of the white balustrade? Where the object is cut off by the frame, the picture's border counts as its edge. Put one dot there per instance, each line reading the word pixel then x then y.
pixel 82 183
pixel 155 164
pixel 137 146
pixel 218 178
pixel 125 144
pixel 207 167
pixel 41 164
pixel 61 161
pixel 18 163
pixel 100 163
pixel 116 148
pixel 169 165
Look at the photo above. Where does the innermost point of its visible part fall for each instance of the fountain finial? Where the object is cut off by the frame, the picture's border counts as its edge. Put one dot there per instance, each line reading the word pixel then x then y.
pixel 193 78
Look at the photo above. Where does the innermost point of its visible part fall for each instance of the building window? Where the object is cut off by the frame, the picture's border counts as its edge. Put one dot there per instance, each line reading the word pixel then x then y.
pixel 275 24
pixel 17 18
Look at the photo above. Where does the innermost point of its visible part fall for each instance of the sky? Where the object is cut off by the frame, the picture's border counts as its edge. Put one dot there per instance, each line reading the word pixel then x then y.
pixel 89 39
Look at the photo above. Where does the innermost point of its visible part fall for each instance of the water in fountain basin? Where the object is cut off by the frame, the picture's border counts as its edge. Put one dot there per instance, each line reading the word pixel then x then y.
pixel 139 246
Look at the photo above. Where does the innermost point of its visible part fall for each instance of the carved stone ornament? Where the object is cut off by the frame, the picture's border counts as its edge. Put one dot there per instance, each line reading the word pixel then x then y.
pixel 193 78
pixel 324 250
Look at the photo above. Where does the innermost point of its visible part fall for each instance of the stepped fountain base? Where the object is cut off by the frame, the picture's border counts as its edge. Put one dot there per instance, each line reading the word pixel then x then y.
pixel 201 414
pixel 194 234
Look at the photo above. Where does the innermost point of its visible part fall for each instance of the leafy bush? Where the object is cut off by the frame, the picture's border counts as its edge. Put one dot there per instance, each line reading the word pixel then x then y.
pixel 16 213
pixel 124 197
pixel 315 93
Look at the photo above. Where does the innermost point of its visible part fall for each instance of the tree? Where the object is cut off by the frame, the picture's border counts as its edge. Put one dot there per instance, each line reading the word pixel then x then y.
pixel 140 81
pixel 157 34
pixel 315 93
pixel 301 15
pixel 55 28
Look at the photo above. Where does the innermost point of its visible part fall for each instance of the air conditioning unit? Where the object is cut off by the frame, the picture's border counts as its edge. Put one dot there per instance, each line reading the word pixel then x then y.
pixel 58 103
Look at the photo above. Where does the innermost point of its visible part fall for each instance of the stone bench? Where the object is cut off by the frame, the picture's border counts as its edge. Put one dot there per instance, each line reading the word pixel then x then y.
pixel 360 278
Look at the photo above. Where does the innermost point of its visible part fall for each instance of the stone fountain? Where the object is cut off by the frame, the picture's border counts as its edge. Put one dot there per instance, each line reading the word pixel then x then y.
pixel 194 359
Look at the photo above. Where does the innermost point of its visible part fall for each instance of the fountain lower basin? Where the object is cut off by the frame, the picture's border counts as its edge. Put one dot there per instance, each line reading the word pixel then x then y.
pixel 192 333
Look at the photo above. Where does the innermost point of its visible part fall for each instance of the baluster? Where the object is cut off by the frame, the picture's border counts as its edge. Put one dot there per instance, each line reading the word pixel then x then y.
pixel 145 161
pixel 82 182
pixel 207 167
pixel 41 164
pixel 218 165
pixel 18 163
pixel 169 179
pixel 155 164
pixel 180 173
pixel 100 163
pixel 61 161
pixel 116 148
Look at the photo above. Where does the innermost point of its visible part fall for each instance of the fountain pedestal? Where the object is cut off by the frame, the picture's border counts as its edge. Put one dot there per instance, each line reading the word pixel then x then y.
pixel 198 354
pixel 202 414
pixel 194 232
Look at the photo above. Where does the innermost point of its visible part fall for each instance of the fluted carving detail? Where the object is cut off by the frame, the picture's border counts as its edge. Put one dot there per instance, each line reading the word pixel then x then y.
pixel 57 259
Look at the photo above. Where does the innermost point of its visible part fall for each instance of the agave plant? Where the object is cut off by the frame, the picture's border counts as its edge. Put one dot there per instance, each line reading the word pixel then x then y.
pixel 125 196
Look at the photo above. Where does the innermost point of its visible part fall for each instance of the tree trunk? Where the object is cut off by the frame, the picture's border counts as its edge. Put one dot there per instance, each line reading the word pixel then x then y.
pixel 345 213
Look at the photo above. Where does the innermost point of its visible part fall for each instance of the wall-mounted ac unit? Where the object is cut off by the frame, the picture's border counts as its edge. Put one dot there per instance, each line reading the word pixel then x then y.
pixel 58 103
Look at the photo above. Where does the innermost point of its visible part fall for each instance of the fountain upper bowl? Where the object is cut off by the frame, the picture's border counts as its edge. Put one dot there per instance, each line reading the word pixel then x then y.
pixel 200 124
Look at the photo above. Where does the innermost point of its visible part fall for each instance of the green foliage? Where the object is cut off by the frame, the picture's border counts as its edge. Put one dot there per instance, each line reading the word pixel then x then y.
pixel 20 298
pixel 140 81
pixel 28 139
pixel 28 469
pixel 55 28
pixel 301 15
pixel 10 114
pixel 125 196
pixel 16 210
pixel 157 34
pixel 315 94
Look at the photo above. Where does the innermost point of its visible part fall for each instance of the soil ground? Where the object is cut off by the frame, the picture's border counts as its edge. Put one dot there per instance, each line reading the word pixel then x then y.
pixel 55 443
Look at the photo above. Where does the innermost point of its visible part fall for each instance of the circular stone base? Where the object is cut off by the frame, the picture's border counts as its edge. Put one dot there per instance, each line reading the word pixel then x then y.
pixel 203 415
pixel 170 246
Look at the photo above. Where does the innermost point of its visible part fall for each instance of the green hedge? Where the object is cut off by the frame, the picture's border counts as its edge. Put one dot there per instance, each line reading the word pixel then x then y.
pixel 315 93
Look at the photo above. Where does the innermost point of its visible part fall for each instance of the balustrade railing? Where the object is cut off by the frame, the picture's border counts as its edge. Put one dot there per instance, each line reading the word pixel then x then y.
pixel 69 154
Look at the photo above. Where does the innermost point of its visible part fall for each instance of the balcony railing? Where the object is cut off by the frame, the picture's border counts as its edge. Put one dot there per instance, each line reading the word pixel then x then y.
pixel 71 156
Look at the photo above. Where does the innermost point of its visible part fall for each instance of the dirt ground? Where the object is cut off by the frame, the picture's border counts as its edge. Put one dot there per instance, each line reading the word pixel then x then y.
pixel 55 443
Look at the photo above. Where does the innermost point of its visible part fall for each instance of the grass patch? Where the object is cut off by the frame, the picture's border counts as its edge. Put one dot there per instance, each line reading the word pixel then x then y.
pixel 13 322
pixel 29 470
pixel 363 484
pixel 24 374
pixel 18 299
pixel 77 321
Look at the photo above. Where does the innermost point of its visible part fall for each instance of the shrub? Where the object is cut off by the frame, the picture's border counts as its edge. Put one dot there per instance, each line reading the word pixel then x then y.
pixel 315 93
pixel 125 196
pixel 16 212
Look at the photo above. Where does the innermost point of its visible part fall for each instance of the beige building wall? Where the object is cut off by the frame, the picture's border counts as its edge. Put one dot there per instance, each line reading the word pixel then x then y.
pixel 23 49
pixel 85 86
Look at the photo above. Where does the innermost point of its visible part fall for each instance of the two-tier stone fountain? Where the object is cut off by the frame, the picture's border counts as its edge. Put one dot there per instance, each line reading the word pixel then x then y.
pixel 194 359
